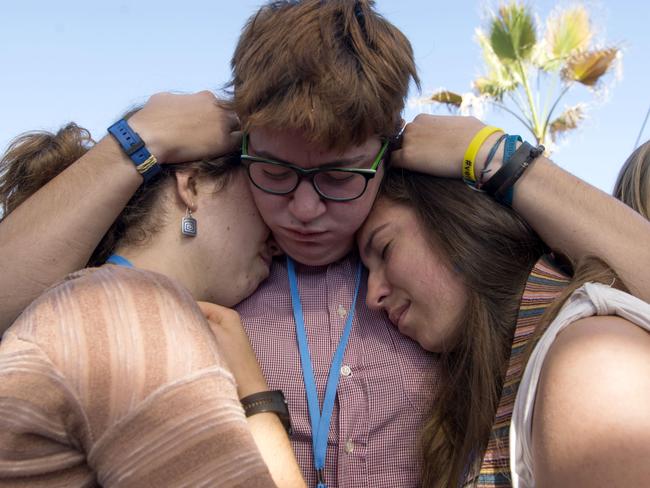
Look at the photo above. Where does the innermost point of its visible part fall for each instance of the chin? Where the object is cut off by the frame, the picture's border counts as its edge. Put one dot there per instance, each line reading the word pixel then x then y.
pixel 249 289
pixel 315 254
pixel 319 257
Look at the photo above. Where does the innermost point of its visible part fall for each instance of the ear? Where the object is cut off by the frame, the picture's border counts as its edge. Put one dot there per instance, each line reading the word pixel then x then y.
pixel 186 188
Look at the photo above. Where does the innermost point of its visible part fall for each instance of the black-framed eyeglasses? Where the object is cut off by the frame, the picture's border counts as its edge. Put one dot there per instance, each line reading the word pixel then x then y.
pixel 337 184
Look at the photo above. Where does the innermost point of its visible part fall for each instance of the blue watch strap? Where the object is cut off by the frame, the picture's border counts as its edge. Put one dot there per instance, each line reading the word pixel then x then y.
pixel 135 148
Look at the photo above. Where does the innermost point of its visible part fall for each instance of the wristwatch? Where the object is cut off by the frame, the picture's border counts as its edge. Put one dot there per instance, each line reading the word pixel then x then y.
pixel 268 401
pixel 134 147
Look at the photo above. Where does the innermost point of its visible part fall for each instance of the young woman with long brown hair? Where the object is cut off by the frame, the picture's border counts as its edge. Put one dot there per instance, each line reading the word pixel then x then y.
pixel 451 268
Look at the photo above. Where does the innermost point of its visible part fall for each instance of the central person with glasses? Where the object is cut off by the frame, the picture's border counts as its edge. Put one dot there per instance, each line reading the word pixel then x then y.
pixel 319 88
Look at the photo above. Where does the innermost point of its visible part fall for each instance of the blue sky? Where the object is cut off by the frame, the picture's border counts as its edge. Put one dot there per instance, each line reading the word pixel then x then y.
pixel 88 61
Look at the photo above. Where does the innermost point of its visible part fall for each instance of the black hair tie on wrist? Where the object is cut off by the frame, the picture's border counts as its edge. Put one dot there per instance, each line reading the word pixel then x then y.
pixel 268 401
pixel 498 186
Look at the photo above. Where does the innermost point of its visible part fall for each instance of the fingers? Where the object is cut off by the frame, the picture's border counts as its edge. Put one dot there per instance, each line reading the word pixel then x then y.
pixel 397 158
pixel 232 121
pixel 218 314
pixel 234 139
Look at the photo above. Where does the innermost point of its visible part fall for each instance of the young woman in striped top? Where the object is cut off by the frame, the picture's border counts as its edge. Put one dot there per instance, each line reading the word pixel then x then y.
pixel 113 376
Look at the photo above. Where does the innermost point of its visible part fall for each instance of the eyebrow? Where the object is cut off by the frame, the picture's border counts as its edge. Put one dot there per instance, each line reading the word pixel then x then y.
pixel 366 248
pixel 335 164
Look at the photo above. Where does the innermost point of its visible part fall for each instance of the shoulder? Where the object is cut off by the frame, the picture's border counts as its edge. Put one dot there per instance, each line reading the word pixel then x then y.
pixel 111 279
pixel 101 306
pixel 93 291
pixel 593 401
pixel 598 345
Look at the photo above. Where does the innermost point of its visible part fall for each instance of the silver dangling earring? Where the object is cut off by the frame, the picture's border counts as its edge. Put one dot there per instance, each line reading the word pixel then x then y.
pixel 188 224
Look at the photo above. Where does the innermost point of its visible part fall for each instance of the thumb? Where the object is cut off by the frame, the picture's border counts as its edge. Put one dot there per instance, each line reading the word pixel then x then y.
pixel 397 158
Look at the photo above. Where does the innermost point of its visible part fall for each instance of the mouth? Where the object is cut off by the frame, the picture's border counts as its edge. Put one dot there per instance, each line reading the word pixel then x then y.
pixel 303 235
pixel 395 316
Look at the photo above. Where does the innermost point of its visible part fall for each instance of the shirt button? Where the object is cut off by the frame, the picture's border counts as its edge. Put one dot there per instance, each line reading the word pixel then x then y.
pixel 342 311
pixel 349 446
pixel 346 370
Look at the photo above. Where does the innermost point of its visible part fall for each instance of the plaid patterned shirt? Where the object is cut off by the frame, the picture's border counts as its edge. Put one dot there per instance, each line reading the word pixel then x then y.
pixel 387 382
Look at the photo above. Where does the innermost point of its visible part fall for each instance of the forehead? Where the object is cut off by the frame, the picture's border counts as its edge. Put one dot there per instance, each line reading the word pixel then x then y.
pixel 386 216
pixel 292 146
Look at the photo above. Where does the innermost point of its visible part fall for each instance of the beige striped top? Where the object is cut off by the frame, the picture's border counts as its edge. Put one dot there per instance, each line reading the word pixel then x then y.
pixel 113 378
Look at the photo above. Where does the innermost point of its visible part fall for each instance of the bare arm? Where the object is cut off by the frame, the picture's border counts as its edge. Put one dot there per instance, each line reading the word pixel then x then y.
pixel 591 425
pixel 55 231
pixel 267 430
pixel 571 216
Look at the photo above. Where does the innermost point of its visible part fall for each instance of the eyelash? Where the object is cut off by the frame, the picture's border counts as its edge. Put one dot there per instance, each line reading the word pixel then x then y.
pixel 384 251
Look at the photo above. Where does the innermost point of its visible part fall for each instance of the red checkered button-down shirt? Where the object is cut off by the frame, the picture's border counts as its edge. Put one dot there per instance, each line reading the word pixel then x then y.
pixel 387 383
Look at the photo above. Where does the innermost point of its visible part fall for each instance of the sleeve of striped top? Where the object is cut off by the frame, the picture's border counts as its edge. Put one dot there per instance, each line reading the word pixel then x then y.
pixel 113 377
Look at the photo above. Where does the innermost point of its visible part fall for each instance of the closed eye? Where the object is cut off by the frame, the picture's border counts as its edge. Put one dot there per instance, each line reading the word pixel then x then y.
pixel 280 174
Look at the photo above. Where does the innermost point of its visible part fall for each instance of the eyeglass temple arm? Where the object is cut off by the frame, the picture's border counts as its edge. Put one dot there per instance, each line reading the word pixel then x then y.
pixel 381 154
pixel 244 143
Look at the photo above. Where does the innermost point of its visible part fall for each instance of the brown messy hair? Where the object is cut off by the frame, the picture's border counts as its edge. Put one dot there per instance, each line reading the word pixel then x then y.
pixel 493 250
pixel 336 70
pixel 633 183
pixel 34 158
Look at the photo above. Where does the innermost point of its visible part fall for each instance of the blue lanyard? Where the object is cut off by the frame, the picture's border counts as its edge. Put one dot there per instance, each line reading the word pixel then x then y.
pixel 119 260
pixel 320 422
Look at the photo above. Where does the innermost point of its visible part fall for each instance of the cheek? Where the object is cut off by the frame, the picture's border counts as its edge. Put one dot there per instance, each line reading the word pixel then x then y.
pixel 269 206
pixel 408 269
pixel 353 214
pixel 252 228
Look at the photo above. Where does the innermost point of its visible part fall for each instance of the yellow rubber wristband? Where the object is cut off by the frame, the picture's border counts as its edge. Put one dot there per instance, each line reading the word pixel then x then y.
pixel 469 174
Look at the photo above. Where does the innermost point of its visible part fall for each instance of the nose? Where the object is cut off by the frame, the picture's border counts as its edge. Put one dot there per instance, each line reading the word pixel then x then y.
pixel 306 205
pixel 378 290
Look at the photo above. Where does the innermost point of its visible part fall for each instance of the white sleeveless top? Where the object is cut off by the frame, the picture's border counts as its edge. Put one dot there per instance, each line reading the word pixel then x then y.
pixel 588 300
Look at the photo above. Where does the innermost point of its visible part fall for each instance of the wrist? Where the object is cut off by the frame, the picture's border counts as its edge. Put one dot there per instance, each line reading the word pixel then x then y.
pixel 113 155
pixel 501 185
pixel 470 171
pixel 251 385
pixel 495 163
pixel 156 145
pixel 270 401
pixel 136 149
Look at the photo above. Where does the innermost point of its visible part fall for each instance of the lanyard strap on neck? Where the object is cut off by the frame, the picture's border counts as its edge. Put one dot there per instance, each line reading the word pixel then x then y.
pixel 119 260
pixel 320 422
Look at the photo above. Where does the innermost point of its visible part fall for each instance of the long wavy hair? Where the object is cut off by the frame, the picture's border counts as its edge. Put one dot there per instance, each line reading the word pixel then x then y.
pixel 633 183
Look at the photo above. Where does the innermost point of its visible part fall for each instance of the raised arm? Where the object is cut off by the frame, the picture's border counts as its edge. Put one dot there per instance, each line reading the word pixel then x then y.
pixel 55 231
pixel 570 215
